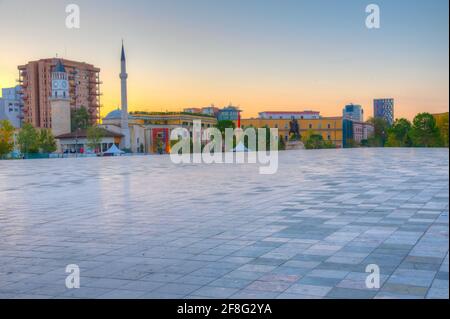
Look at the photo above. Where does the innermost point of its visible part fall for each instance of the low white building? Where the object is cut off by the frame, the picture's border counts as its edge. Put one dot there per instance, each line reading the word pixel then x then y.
pixel 77 142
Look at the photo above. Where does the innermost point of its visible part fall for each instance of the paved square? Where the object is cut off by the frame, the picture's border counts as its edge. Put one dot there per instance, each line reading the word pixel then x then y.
pixel 142 227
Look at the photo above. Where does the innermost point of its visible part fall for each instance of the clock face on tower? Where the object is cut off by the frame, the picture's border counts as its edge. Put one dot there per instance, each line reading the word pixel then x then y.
pixel 55 84
pixel 64 85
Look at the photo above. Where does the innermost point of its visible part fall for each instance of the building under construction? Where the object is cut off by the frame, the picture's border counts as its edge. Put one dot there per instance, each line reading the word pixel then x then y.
pixel 35 79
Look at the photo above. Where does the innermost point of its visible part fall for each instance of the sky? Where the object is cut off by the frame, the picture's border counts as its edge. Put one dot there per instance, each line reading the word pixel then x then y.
pixel 262 55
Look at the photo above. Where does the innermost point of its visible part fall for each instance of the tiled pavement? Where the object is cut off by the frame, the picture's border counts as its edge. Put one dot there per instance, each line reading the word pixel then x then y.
pixel 142 227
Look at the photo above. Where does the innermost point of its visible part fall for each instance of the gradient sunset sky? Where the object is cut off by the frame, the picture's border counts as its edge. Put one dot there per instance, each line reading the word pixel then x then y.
pixel 258 54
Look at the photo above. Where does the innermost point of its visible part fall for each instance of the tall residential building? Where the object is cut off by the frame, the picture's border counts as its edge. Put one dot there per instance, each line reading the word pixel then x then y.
pixel 306 115
pixel 36 80
pixel 11 105
pixel 384 108
pixel 353 112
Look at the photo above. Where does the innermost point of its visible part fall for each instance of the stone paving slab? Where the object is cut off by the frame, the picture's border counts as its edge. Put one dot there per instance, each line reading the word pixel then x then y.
pixel 142 227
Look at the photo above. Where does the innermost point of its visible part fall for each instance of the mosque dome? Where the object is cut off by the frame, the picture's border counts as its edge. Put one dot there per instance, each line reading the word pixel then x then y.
pixel 115 115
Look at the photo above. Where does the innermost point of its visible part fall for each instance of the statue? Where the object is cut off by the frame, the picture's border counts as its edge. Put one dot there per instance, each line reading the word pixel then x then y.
pixel 294 129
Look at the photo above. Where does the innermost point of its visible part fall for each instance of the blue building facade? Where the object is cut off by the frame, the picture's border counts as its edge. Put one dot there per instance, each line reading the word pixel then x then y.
pixel 384 108
pixel 229 113
pixel 347 132
pixel 11 106
pixel 353 112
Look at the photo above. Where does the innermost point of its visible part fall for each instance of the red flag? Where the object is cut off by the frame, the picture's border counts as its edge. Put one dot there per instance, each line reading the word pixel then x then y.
pixel 239 120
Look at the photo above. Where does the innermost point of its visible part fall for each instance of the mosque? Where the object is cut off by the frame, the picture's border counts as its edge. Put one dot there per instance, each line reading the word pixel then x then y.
pixel 138 132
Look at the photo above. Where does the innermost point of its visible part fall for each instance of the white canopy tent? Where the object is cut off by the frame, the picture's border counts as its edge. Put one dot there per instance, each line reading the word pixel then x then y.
pixel 114 151
pixel 241 148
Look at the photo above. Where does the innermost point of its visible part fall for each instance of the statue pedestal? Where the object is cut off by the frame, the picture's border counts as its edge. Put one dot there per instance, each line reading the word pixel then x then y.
pixel 294 145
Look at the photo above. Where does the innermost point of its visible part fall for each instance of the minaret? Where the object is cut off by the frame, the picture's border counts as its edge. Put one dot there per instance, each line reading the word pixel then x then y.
pixel 60 101
pixel 126 141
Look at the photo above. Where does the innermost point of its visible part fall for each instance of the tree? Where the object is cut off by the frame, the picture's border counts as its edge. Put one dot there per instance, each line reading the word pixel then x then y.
pixel 79 118
pixel 442 124
pixel 316 141
pixel 399 134
pixel 160 145
pixel 374 141
pixel 46 141
pixel 222 125
pixel 365 143
pixel 381 128
pixel 268 136
pixel 392 141
pixel 305 137
pixel 6 138
pixel 351 143
pixel 425 132
pixel 281 143
pixel 28 139
pixel 94 137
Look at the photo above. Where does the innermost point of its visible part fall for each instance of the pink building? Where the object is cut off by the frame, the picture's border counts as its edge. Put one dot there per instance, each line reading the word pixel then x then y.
pixel 35 79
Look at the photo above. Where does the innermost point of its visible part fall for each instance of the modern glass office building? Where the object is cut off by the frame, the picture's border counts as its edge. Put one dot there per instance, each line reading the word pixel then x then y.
pixel 384 108
pixel 353 112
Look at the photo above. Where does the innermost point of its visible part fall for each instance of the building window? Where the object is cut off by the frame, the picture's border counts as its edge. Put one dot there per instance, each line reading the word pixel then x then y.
pixel 310 126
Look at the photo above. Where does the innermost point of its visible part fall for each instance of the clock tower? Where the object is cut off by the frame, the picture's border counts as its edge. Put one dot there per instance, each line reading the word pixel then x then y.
pixel 60 101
